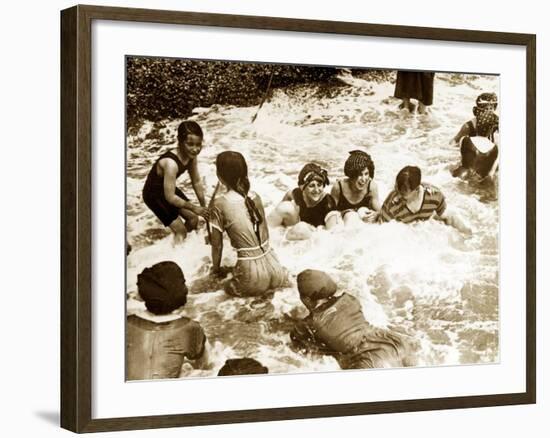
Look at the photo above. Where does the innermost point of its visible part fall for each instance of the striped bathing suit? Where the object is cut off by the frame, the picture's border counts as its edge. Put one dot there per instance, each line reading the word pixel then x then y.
pixel 396 208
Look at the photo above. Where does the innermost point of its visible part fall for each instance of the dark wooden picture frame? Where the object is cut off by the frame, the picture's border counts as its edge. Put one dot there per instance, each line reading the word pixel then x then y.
pixel 76 218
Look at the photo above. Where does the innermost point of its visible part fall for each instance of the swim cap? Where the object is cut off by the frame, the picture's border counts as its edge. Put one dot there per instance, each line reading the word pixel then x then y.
pixel 162 287
pixel 310 172
pixel 357 162
pixel 246 365
pixel 485 101
pixel 486 123
pixel 315 284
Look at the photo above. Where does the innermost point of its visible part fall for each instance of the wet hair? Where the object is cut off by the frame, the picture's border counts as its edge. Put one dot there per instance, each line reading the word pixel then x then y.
pixel 245 365
pixel 188 127
pixel 231 167
pixel 357 162
pixel 408 179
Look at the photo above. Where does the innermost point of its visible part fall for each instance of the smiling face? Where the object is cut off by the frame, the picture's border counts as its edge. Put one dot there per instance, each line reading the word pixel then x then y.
pixel 191 146
pixel 360 182
pixel 313 191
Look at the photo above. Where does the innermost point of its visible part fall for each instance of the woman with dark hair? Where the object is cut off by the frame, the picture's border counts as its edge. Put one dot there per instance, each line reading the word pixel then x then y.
pixel 414 200
pixel 240 213
pixel 160 193
pixel 357 195
pixel 306 206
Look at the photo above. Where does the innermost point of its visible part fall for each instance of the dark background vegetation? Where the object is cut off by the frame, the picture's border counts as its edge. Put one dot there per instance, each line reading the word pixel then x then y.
pixel 160 88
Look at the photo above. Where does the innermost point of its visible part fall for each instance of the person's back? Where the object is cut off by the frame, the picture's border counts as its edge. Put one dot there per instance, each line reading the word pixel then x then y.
pixel 336 325
pixel 339 324
pixel 157 350
pixel 258 269
pixel 159 340
pixel 230 214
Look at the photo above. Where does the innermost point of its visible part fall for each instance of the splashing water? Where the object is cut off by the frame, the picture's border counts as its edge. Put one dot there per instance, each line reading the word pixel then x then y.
pixel 424 280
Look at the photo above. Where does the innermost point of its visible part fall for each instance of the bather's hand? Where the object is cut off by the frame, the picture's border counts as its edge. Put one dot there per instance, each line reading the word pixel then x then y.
pixel 370 217
pixel 202 211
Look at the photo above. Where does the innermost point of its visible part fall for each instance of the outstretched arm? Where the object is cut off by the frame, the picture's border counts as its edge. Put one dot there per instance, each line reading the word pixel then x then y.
pixel 216 241
pixel 375 200
pixel 335 192
pixel 196 182
pixel 453 219
pixel 464 130
pixel 170 171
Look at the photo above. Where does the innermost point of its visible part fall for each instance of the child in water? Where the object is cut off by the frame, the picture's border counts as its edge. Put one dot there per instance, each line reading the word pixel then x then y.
pixel 336 326
pixel 477 140
pixel 240 213
pixel 160 193
pixel 307 206
pixel 414 200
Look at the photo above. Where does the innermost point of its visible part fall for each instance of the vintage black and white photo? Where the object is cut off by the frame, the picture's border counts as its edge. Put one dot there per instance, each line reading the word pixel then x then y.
pixel 295 218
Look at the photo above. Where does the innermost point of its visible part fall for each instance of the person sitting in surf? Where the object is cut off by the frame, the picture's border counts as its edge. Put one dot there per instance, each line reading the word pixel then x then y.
pixel 356 196
pixel 414 200
pixel 307 206
pixel 160 342
pixel 240 213
pixel 485 102
pixel 336 326
pixel 478 141
pixel 171 206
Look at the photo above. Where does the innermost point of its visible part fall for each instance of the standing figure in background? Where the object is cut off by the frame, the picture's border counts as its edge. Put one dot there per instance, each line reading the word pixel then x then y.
pixel 240 213
pixel 356 196
pixel 160 193
pixel 416 85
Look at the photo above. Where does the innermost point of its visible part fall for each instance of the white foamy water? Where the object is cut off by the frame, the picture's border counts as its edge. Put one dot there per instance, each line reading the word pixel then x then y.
pixel 425 280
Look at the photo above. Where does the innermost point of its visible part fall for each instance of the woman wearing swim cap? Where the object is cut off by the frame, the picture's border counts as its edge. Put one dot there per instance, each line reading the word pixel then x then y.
pixel 478 141
pixel 337 326
pixel 356 196
pixel 306 206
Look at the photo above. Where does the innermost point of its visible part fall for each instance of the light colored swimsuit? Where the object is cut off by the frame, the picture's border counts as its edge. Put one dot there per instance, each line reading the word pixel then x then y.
pixel 258 268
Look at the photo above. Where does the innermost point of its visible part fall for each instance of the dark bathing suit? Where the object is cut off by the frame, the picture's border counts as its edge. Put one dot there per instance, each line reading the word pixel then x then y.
pixel 480 162
pixel 344 205
pixel 153 191
pixel 313 215
pixel 415 85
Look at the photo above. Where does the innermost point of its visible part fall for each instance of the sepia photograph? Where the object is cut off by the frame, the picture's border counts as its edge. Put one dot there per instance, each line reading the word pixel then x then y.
pixel 285 219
